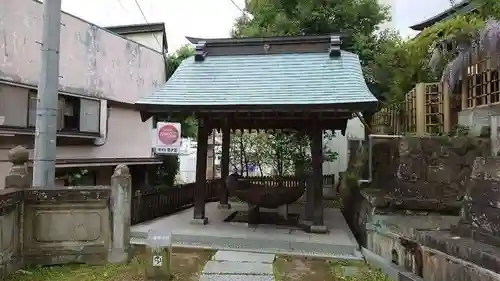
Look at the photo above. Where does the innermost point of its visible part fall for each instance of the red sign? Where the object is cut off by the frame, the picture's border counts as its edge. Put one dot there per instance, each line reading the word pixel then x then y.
pixel 168 134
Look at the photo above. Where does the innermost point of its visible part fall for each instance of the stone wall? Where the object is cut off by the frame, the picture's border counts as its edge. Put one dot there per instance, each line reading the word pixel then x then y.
pixel 432 207
pixel 10 246
pixel 418 183
pixel 427 173
pixel 48 226
pixel 66 225
pixel 53 226
pixel 470 250
pixel 410 174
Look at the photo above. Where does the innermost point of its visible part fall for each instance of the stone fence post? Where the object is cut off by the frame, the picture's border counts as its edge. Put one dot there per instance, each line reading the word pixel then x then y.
pixel 121 189
pixel 18 176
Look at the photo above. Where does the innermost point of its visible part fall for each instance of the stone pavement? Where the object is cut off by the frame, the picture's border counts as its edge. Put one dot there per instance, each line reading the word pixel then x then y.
pixel 239 266
pixel 339 243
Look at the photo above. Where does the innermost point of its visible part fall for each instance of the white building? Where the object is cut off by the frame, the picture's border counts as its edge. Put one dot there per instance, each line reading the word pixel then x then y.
pixel 355 131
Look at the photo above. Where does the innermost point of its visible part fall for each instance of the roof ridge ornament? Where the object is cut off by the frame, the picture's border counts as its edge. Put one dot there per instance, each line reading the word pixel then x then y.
pixel 335 43
pixel 200 51
pixel 267 47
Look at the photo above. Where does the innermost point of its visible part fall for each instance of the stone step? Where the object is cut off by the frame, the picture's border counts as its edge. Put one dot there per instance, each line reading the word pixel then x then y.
pixel 237 268
pixel 266 245
pixel 244 257
pixel 213 277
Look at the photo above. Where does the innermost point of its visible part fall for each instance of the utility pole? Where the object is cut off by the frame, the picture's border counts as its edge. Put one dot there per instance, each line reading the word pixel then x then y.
pixel 47 100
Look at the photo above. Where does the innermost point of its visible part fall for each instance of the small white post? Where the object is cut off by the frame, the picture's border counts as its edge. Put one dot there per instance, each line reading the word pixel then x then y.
pixel 159 255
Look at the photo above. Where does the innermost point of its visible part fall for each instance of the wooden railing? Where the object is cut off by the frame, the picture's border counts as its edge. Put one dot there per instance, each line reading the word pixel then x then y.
pixel 157 203
pixel 149 205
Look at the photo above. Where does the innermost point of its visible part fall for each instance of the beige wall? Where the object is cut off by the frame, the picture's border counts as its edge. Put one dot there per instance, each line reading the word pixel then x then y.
pixel 94 61
pixel 152 40
pixel 127 137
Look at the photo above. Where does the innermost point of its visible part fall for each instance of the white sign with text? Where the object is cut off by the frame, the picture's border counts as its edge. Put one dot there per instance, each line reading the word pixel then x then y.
pixel 168 138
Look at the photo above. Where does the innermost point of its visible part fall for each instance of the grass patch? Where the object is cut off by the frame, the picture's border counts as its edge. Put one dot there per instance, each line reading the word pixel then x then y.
pixel 287 268
pixel 298 269
pixel 364 272
pixel 186 266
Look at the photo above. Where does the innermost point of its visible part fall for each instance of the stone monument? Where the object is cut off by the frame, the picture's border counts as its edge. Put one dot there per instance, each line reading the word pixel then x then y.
pixel 121 189
pixel 18 176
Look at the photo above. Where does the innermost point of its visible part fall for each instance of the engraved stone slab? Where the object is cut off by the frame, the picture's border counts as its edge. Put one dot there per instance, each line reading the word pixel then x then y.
pixel 74 225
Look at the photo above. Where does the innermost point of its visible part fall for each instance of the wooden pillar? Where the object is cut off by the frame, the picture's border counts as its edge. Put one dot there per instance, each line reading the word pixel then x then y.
pixel 445 90
pixel 309 212
pixel 224 192
pixel 201 172
pixel 464 91
pixel 420 97
pixel 318 225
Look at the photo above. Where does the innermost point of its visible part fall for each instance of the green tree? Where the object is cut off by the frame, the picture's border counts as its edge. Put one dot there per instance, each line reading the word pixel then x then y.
pixel 452 42
pixel 357 19
pixel 282 153
pixel 296 17
pixel 396 65
pixel 175 59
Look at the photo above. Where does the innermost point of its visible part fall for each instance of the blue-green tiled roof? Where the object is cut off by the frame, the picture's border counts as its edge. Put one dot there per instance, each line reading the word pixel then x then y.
pixel 303 78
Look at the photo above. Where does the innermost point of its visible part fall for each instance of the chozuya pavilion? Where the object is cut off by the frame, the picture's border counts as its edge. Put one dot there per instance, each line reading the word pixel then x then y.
pixel 302 83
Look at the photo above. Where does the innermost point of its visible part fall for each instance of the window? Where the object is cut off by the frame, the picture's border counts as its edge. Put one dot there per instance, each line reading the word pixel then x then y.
pixel 74 114
pixel 32 101
pixel 70 109
pixel 90 115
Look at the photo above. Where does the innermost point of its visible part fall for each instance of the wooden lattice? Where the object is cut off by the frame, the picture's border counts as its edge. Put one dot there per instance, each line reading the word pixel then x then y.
pixel 411 110
pixel 481 86
pixel 426 109
pixel 389 119
pixel 434 119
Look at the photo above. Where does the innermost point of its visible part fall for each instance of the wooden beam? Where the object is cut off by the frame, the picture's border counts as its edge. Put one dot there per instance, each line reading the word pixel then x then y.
pixel 255 124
